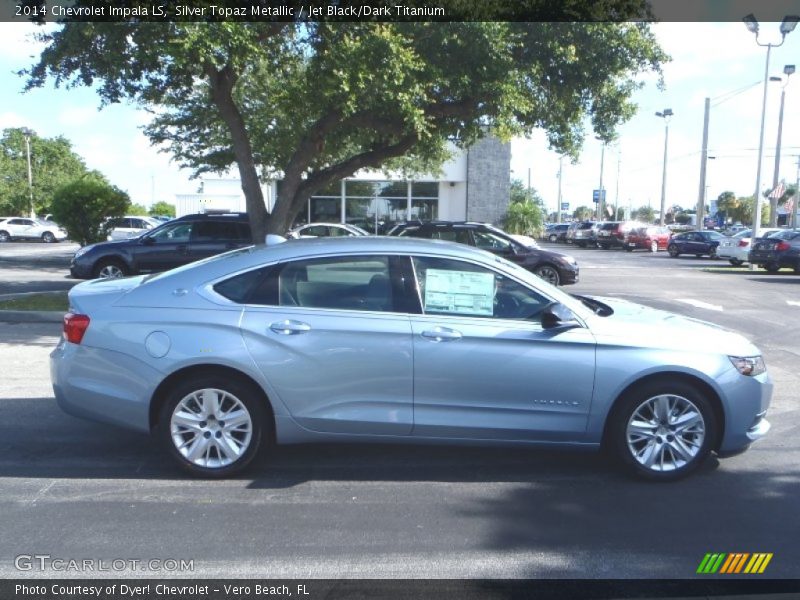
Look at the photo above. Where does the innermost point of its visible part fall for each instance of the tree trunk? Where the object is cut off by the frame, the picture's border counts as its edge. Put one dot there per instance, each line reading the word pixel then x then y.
pixel 222 83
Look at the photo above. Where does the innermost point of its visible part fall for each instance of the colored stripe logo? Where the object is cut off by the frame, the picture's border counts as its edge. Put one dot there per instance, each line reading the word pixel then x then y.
pixel 733 563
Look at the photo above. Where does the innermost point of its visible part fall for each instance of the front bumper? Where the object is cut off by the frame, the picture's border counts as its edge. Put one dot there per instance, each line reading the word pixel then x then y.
pixel 80 269
pixel 746 402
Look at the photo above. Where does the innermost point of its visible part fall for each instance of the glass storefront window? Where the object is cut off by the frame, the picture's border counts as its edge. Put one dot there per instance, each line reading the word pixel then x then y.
pixel 424 209
pixel 425 189
pixel 326 210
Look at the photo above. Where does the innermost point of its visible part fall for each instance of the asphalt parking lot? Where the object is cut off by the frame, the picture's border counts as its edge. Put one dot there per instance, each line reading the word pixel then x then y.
pixel 74 489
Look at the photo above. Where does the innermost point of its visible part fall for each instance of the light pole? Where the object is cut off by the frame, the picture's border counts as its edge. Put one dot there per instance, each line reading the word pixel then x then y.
pixel 773 203
pixel 558 202
pixel 787 26
pixel 28 133
pixel 600 195
pixel 666 114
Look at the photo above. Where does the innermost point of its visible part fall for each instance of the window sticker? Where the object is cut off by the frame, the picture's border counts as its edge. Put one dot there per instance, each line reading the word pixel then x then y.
pixel 460 292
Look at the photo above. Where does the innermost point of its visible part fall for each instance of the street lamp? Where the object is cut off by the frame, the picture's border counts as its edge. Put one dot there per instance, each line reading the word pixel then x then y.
pixel 28 133
pixel 787 26
pixel 666 114
pixel 788 70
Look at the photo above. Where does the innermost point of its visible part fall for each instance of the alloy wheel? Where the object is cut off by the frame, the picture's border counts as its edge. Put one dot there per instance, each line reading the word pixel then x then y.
pixel 211 428
pixel 110 271
pixel 665 433
pixel 549 274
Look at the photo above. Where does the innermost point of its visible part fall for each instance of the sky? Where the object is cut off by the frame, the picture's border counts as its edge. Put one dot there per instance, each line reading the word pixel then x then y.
pixel 708 60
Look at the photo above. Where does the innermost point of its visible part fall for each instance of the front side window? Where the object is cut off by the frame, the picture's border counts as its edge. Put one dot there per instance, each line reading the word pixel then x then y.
pixel 174 232
pixel 456 288
pixel 486 240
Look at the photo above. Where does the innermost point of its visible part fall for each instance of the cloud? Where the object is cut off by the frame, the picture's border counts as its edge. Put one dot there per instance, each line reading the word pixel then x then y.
pixel 11 119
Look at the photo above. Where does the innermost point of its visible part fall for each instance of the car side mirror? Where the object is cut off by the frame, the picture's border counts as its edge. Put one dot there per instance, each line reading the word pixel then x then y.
pixel 148 240
pixel 558 316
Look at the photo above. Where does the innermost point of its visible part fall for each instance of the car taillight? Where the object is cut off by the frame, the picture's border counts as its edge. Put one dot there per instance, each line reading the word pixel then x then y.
pixel 782 246
pixel 75 326
pixel 744 243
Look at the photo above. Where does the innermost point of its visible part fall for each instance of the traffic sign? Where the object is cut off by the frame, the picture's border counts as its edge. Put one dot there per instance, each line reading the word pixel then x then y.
pixel 565 206
pixel 596 196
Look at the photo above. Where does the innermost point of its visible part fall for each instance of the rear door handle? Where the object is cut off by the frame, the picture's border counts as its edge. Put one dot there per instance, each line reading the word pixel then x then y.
pixel 442 334
pixel 290 327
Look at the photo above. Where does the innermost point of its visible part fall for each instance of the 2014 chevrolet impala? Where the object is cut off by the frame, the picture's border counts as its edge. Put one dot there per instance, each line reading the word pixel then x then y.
pixel 402 340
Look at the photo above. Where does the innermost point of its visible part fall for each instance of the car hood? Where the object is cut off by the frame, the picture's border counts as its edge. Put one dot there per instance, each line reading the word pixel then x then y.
pixel 638 325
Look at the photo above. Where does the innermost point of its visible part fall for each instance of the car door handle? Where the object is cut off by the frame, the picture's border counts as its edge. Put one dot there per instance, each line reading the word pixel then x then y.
pixel 442 334
pixel 290 327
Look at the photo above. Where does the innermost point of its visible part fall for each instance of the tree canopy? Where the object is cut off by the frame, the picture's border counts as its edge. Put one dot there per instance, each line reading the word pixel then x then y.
pixel 313 103
pixel 83 206
pixel 53 164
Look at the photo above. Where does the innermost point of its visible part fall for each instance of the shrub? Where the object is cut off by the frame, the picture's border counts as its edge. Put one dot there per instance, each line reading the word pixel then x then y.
pixel 83 208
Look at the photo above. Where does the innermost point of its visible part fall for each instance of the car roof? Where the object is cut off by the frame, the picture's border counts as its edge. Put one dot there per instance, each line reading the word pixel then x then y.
pixel 237 216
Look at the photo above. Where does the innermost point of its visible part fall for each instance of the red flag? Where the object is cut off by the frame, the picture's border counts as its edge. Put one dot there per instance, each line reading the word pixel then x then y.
pixel 778 191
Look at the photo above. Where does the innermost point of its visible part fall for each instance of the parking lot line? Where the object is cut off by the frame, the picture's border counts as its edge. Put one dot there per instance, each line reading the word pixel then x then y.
pixel 699 304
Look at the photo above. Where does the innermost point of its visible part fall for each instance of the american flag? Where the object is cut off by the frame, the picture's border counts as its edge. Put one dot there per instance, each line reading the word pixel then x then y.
pixel 778 191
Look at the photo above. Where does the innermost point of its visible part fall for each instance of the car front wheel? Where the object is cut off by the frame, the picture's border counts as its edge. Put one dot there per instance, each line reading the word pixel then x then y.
pixel 5 236
pixel 553 238
pixel 48 238
pixel 673 251
pixel 212 426
pixel 549 273
pixel 110 269
pixel 663 431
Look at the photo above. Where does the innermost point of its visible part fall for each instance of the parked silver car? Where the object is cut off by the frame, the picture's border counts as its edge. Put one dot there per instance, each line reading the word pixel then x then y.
pixel 395 339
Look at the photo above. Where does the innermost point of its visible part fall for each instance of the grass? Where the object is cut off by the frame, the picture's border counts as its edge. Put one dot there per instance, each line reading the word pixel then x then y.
pixel 51 301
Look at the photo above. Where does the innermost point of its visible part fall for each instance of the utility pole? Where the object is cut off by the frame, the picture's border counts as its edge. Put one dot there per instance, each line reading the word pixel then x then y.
pixel 773 202
pixel 601 200
pixel 560 172
pixel 796 199
pixel 701 196
pixel 616 193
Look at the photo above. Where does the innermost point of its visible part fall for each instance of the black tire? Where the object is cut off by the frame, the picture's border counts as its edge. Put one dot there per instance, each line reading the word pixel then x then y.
pixel 108 265
pixel 4 236
pixel 772 268
pixel 549 273
pixel 581 244
pixel 628 249
pixel 553 238
pixel 48 238
pixel 618 442
pixel 713 253
pixel 247 395
pixel 602 246
pixel 673 251
pixel 735 262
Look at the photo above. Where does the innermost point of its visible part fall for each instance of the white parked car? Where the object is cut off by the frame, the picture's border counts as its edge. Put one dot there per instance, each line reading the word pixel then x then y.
pixel 24 228
pixel 128 227
pixel 736 248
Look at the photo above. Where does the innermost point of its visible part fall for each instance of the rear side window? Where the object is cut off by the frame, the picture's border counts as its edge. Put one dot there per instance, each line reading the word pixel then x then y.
pixel 243 287
pixel 213 231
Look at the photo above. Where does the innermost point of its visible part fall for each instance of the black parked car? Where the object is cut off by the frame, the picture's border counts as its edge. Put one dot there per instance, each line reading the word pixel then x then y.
pixel 554 267
pixel 777 251
pixel 698 243
pixel 170 245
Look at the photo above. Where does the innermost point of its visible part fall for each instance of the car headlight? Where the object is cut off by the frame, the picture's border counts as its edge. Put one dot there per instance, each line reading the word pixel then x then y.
pixel 82 251
pixel 749 365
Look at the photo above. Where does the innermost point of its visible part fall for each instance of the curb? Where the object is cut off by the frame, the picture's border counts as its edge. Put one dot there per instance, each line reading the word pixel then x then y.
pixel 31 316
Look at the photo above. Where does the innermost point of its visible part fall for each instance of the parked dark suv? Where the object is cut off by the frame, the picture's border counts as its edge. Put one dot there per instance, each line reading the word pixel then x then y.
pixel 611 234
pixel 582 233
pixel 170 245
pixel 554 267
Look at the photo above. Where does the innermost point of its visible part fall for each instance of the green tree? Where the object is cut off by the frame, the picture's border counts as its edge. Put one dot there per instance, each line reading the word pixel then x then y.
pixel 645 214
pixel 582 213
pixel 137 210
pixel 524 217
pixel 162 208
pixel 53 164
pixel 314 102
pixel 683 218
pixel 743 209
pixel 84 206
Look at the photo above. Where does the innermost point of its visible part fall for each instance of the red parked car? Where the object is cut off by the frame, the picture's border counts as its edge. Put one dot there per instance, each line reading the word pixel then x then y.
pixel 653 238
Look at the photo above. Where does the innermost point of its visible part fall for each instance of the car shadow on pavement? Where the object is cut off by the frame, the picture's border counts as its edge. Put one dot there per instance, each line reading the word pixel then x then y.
pixel 44 442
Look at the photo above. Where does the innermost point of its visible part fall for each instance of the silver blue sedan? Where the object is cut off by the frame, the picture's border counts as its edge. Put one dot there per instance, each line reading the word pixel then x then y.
pixel 399 340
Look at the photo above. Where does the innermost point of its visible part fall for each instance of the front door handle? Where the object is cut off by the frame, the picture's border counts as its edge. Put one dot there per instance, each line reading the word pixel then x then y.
pixel 442 334
pixel 290 327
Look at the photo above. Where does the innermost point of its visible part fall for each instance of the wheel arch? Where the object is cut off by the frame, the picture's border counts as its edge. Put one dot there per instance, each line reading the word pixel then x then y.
pixel 667 377
pixel 161 392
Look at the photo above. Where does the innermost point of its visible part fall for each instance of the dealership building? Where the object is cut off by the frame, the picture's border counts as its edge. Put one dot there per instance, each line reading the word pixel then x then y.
pixel 473 185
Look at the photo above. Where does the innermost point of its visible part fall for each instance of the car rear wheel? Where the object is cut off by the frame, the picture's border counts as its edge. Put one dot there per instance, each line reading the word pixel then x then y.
pixel 663 431
pixel 654 246
pixel 772 268
pixel 628 249
pixel 735 262
pixel 48 238
pixel 212 426
pixel 549 273
pixel 110 269
pixel 673 251
pixel 5 236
